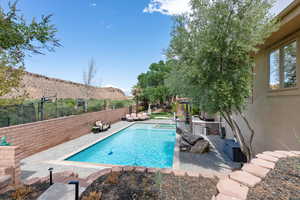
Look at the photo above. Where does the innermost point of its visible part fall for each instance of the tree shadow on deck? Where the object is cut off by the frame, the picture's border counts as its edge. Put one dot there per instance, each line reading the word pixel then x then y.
pixel 213 161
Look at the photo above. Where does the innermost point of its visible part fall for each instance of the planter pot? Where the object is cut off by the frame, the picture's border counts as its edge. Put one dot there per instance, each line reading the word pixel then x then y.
pixel 233 150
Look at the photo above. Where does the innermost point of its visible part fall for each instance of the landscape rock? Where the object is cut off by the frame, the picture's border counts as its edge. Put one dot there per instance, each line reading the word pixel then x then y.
pixel 202 146
pixel 191 139
pixel 184 146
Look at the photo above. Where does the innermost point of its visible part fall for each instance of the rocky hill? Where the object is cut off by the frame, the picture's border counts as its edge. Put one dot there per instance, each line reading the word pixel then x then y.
pixel 37 86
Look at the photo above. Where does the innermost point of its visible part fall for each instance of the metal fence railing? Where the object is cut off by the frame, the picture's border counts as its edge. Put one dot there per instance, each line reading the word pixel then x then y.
pixel 200 127
pixel 17 114
pixel 45 109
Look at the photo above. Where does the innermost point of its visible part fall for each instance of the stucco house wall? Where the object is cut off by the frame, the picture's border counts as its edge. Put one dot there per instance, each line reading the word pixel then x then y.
pixel 275 114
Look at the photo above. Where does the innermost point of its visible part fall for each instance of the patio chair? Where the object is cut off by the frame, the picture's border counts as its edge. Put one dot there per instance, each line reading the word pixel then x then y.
pixel 106 126
pixel 97 127
pixel 134 117
pixel 129 118
pixel 146 116
pixel 140 117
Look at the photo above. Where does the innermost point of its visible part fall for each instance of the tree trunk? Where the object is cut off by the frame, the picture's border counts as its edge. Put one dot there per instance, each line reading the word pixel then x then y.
pixel 149 109
pixel 137 106
pixel 252 133
pixel 238 134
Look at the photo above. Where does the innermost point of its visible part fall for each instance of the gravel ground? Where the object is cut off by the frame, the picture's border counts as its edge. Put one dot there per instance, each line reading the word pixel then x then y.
pixel 151 186
pixel 282 183
pixel 25 192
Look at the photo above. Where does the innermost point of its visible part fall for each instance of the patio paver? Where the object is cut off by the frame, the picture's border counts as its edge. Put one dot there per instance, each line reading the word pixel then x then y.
pixel 37 165
pixel 214 163
pixel 290 154
pixel 263 163
pixel 232 188
pixel 296 152
pixel 225 197
pixel 274 154
pixel 60 191
pixel 255 170
pixel 267 157
pixel 244 178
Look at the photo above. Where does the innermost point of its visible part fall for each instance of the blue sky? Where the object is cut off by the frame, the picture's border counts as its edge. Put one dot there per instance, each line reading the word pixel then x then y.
pixel 123 36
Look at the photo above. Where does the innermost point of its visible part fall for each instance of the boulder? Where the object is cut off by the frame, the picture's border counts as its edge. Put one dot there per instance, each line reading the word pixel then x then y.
pixel 202 146
pixel 191 139
pixel 184 146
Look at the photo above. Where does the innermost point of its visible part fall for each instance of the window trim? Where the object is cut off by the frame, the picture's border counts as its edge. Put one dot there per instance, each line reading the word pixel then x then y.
pixel 280 47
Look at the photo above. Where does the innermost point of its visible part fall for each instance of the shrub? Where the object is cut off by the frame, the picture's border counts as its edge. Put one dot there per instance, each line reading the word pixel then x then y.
pixel 113 178
pixel 21 192
pixel 93 196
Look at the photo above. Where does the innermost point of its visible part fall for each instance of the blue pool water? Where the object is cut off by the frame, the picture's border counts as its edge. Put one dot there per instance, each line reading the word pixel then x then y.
pixel 147 145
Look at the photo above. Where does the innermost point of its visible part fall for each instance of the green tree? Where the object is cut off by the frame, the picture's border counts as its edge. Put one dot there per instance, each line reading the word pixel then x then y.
pixel 152 83
pixel 212 49
pixel 18 39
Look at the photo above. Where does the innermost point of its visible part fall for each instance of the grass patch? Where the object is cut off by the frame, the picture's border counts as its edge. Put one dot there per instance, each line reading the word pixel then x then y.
pixel 161 115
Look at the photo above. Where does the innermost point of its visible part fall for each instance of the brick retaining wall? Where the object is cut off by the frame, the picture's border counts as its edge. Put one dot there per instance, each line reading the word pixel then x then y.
pixel 10 163
pixel 38 136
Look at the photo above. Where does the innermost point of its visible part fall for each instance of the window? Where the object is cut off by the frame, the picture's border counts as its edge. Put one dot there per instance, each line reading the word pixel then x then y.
pixel 289 65
pixel 274 70
pixel 283 64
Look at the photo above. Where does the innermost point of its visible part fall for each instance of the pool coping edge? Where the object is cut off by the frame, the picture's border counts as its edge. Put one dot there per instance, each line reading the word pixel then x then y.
pixel 62 161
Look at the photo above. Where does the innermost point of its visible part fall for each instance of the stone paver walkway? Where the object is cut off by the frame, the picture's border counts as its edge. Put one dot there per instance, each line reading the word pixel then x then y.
pixel 215 162
pixel 37 165
pixel 60 191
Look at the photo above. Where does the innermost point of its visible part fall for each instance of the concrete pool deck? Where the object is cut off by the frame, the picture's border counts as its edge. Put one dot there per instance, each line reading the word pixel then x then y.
pixel 37 165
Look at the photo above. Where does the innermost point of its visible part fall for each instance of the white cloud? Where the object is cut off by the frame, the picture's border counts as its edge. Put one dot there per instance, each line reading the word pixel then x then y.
pixel 176 7
pixel 93 4
pixel 168 7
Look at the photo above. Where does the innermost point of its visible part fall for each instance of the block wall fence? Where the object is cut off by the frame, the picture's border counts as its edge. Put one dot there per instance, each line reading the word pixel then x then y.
pixel 34 137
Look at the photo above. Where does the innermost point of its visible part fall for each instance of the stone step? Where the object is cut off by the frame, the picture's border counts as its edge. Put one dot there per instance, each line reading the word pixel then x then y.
pixel 5 181
pixel 274 154
pixel 263 163
pixel 289 154
pixel 267 157
pixel 244 178
pixel 296 152
pixel 256 170
pixel 232 188
pixel 60 191
pixel 225 197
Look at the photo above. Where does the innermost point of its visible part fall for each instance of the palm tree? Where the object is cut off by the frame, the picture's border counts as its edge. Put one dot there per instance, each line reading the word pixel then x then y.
pixel 136 92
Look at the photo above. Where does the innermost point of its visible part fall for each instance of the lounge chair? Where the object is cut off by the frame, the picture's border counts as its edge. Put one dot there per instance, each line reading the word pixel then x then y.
pixel 143 116
pixel 106 126
pixel 129 118
pixel 97 127
pixel 134 117
pixel 140 117
pixel 100 126
pixel 146 116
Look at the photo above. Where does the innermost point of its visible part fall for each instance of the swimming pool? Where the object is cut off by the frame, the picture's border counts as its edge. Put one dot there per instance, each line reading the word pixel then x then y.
pixel 147 145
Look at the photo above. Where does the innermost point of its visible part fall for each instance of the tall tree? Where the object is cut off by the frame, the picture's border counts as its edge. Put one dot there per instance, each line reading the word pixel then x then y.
pixel 18 39
pixel 88 78
pixel 89 75
pixel 212 49
pixel 152 83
